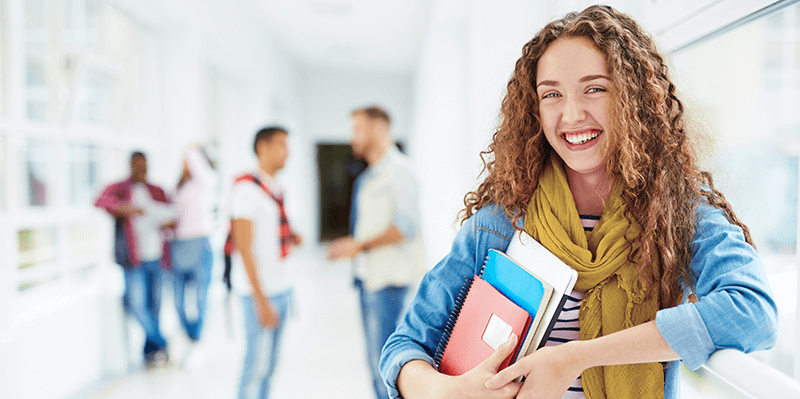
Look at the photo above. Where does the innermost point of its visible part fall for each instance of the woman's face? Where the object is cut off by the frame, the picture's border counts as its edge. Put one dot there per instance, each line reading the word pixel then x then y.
pixel 573 86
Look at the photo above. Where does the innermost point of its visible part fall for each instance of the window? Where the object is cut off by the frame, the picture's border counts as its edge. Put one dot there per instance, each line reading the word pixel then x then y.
pixel 83 174
pixel 40 60
pixel 82 238
pixel 88 71
pixel 35 156
pixel 37 256
pixel 746 85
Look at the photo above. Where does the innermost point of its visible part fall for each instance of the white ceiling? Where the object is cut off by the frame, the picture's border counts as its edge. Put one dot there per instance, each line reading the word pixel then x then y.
pixel 361 34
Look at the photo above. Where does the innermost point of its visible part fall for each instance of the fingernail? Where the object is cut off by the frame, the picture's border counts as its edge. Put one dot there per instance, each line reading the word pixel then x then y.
pixel 490 383
pixel 512 338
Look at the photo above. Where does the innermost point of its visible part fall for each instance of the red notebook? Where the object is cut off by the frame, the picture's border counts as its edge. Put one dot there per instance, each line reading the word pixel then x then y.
pixel 482 320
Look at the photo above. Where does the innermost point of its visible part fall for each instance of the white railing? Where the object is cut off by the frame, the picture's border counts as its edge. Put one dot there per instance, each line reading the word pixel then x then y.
pixel 730 373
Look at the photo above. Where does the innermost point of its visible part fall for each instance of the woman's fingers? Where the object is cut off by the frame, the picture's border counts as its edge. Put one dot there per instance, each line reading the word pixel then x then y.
pixel 504 377
pixel 496 359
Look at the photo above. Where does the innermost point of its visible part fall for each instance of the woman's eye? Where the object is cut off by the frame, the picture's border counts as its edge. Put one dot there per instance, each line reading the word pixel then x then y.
pixel 550 95
pixel 595 90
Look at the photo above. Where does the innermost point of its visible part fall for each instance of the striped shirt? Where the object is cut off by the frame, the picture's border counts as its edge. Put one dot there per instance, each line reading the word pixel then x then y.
pixel 567 328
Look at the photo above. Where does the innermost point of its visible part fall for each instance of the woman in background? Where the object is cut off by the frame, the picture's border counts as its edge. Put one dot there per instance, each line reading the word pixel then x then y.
pixel 191 249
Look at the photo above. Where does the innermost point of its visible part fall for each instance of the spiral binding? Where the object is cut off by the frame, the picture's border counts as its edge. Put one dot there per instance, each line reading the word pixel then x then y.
pixel 451 321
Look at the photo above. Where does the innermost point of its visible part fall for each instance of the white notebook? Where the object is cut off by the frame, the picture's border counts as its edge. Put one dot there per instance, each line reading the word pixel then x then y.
pixel 541 262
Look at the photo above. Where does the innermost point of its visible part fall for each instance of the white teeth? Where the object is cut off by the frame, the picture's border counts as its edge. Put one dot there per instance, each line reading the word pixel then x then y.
pixel 576 139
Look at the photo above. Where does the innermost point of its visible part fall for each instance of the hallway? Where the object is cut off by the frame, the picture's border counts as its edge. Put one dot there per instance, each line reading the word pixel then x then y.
pixel 84 83
pixel 323 352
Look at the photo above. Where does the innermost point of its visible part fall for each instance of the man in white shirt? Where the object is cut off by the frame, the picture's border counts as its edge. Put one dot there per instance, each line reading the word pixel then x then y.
pixel 263 240
pixel 386 242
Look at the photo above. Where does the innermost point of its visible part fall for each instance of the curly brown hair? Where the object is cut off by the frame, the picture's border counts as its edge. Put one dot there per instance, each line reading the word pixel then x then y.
pixel 648 146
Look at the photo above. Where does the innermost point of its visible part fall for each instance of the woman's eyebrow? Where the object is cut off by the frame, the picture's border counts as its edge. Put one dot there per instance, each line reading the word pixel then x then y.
pixel 586 78
pixel 593 77
pixel 547 83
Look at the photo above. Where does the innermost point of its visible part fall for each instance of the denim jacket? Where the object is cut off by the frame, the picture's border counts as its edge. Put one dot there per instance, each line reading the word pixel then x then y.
pixel 735 309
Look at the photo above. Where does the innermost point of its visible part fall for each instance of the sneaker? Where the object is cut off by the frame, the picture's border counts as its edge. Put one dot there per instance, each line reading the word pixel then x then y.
pixel 157 360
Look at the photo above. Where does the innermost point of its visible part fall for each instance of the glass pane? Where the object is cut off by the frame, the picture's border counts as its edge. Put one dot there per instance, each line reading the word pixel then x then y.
pixel 100 97
pixel 35 157
pixel 36 247
pixel 38 65
pixel 81 24
pixel 748 104
pixel 37 91
pixel 33 282
pixel 744 88
pixel 83 174
pixel 83 239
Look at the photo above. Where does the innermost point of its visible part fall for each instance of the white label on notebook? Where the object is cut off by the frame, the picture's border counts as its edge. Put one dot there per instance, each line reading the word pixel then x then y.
pixel 497 332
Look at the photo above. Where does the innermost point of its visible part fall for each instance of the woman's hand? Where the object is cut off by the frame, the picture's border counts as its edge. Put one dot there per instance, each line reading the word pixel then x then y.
pixel 419 380
pixel 472 384
pixel 548 373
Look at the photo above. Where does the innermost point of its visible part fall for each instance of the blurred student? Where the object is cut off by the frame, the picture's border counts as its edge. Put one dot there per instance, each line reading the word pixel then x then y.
pixel 386 239
pixel 263 240
pixel 191 249
pixel 141 211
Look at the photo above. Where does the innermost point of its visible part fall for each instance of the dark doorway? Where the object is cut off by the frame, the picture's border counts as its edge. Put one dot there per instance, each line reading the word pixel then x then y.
pixel 337 170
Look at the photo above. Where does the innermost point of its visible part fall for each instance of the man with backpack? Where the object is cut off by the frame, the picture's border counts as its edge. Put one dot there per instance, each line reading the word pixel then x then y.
pixel 262 241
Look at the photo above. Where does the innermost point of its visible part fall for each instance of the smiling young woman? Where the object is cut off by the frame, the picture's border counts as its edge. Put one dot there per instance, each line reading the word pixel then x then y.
pixel 593 160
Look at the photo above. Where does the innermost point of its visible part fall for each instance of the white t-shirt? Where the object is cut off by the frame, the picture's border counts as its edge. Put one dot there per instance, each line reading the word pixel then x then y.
pixel 249 201
pixel 147 227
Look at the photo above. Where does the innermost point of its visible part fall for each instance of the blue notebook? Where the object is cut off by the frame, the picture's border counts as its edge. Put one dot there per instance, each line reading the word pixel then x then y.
pixel 522 287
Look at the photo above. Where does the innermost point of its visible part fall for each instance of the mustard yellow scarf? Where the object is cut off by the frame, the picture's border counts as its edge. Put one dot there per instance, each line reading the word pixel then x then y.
pixel 614 296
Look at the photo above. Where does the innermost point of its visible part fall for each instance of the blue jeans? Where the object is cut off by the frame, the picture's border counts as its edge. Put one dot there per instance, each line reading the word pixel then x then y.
pixel 380 314
pixel 143 299
pixel 262 347
pixel 191 270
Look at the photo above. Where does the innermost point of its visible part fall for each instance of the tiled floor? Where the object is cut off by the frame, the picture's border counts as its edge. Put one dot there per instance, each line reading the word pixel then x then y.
pixel 323 354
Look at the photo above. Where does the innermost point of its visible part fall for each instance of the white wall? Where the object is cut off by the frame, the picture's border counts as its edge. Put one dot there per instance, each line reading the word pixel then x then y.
pixel 439 146
pixel 327 96
pixel 467 59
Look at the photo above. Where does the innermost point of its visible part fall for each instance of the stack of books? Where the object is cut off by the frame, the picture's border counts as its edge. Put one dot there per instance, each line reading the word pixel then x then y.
pixel 521 291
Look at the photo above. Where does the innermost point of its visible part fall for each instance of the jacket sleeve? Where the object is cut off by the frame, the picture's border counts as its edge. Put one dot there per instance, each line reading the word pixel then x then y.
pixel 109 199
pixel 419 333
pixel 735 308
pixel 417 337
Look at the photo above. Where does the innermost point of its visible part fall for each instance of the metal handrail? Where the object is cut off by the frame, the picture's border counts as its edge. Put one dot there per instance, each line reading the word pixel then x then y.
pixel 751 377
